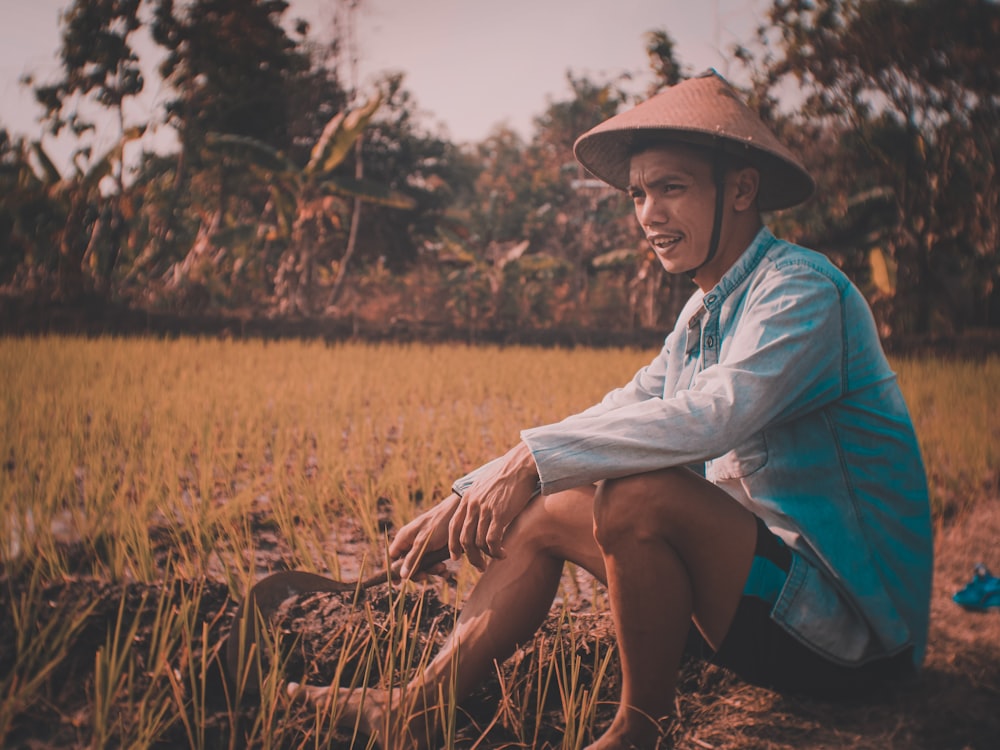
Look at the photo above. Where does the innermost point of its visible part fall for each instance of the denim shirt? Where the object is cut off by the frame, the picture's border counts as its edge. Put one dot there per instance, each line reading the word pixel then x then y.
pixel 775 381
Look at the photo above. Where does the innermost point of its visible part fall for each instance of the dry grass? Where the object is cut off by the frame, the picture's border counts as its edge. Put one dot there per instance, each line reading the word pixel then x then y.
pixel 145 484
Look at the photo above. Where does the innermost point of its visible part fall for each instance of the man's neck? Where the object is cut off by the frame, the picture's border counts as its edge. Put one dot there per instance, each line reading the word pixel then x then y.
pixel 731 247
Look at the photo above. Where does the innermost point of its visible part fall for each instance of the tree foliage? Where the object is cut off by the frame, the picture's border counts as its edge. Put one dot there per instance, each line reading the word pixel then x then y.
pixel 229 63
pixel 910 90
pixel 98 61
pixel 892 103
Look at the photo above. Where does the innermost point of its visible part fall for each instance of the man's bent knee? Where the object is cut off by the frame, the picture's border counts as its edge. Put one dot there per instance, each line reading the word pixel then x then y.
pixel 631 508
pixel 550 524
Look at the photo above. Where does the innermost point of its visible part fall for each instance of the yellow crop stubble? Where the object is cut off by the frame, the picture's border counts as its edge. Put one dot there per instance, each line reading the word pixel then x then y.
pixel 955 405
pixel 170 457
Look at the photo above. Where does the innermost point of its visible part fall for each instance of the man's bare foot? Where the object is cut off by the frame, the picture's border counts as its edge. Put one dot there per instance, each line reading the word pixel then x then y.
pixel 353 710
pixel 389 720
pixel 620 736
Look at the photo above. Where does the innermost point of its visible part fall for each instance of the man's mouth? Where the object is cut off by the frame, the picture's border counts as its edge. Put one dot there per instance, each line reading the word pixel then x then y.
pixel 664 241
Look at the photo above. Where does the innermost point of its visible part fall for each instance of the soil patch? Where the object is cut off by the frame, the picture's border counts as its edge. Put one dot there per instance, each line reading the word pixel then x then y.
pixel 952 705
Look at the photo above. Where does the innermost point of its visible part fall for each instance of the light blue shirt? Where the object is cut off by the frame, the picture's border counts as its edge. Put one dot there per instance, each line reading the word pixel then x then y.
pixel 775 381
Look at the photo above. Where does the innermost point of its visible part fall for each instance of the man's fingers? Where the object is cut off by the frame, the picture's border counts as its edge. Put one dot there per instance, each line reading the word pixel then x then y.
pixel 400 543
pixel 475 556
pixel 406 537
pixel 494 540
pixel 485 521
pixel 455 532
pixel 412 558
pixel 469 529
pixel 472 550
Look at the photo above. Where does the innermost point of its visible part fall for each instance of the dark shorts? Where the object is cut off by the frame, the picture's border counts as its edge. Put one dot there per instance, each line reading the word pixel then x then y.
pixel 763 653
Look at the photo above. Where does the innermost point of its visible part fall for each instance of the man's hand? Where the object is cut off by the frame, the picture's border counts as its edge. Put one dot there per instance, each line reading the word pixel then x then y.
pixel 425 533
pixel 489 506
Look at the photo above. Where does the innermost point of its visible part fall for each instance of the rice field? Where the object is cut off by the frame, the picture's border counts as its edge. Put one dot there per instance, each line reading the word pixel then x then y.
pixel 102 437
pixel 175 472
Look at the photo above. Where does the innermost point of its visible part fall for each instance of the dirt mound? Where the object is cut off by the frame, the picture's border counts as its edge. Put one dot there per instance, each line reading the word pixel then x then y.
pixel 952 705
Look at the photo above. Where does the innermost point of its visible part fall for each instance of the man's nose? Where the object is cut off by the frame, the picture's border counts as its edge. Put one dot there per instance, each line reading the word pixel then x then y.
pixel 652 212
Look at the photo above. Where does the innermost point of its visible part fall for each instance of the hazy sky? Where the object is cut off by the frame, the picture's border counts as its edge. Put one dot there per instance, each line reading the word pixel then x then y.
pixel 470 64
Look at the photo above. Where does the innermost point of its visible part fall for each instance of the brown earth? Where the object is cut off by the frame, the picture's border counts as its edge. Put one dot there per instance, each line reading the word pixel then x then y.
pixel 953 705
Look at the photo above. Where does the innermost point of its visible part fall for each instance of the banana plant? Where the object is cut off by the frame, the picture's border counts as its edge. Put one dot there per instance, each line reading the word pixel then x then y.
pixel 30 217
pixel 307 202
pixel 80 234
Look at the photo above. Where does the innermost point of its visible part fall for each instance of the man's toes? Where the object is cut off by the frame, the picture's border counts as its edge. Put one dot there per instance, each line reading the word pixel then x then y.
pixel 309 693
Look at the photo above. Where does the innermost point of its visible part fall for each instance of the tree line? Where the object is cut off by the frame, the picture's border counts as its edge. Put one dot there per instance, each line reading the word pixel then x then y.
pixel 293 194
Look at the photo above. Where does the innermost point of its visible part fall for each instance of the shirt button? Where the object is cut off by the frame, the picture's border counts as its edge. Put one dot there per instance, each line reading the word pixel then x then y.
pixel 710 299
pixel 710 341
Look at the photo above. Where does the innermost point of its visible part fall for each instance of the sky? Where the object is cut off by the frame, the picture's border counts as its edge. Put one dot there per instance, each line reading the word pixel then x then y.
pixel 471 64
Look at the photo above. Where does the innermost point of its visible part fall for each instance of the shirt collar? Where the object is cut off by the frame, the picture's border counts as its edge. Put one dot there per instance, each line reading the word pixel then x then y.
pixel 748 261
pixel 740 270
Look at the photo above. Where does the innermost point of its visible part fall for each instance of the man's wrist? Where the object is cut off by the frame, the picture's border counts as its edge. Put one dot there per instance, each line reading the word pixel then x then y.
pixel 521 460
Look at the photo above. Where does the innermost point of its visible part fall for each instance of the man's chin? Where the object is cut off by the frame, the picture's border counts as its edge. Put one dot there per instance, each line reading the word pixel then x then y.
pixel 672 267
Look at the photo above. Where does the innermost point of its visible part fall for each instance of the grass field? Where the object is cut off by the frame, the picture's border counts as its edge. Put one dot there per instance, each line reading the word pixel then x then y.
pixel 139 464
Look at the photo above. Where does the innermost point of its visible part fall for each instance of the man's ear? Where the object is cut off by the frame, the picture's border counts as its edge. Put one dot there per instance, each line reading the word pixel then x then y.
pixel 747 182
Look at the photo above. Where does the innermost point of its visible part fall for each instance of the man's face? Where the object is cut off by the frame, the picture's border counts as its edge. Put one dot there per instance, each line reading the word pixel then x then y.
pixel 673 192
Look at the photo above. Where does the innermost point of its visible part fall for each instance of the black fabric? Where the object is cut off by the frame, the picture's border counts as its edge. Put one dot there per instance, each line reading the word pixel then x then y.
pixel 772 547
pixel 762 653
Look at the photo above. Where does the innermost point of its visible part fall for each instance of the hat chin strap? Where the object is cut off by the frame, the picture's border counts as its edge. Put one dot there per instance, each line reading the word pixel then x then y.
pixel 718 175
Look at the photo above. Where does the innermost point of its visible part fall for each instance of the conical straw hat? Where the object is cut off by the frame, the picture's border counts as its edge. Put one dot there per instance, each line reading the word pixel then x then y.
pixel 703 111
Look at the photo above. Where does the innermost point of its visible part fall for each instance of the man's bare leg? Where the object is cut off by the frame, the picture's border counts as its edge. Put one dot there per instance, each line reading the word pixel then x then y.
pixel 669 533
pixel 505 608
pixel 674 546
